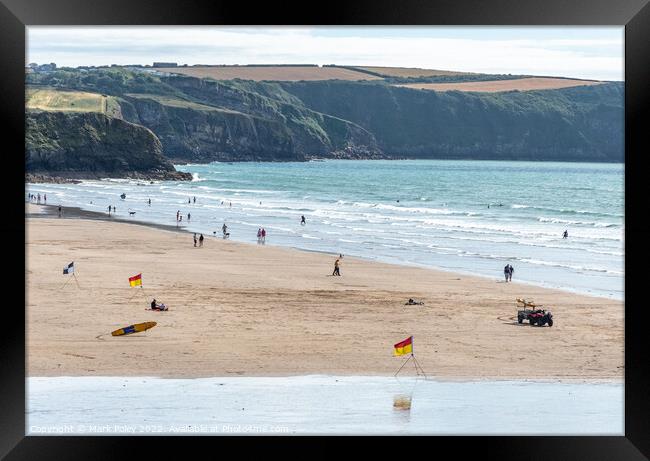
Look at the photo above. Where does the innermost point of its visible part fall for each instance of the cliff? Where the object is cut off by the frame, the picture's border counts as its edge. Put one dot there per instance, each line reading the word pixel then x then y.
pixel 574 124
pixel 92 145
pixel 207 120
pixel 202 120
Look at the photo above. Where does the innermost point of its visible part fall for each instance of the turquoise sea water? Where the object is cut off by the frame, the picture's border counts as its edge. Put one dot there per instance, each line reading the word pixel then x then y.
pixel 431 213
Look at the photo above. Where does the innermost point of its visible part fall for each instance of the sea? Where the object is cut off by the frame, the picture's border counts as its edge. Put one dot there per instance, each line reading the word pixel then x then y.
pixel 470 217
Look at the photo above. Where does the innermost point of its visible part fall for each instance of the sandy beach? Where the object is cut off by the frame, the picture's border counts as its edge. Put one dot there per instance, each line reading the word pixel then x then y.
pixel 240 309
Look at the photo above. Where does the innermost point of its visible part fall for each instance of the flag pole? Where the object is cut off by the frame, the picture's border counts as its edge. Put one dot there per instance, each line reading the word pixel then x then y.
pixel 132 296
pixel 144 293
pixel 400 368
pixel 66 282
pixel 417 365
pixel 75 279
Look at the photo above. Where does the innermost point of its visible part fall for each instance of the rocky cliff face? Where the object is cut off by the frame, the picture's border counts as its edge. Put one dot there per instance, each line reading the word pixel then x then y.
pixel 202 120
pixel 207 135
pixel 92 145
pixel 579 124
pixel 242 125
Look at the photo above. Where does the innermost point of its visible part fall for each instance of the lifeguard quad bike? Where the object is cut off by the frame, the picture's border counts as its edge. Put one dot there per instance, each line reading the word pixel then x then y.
pixel 534 316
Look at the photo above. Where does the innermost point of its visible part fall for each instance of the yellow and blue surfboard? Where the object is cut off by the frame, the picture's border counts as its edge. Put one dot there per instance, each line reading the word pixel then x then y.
pixel 138 327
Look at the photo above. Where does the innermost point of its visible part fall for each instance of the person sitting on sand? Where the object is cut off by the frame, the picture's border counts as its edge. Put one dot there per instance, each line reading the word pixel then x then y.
pixel 413 302
pixel 157 307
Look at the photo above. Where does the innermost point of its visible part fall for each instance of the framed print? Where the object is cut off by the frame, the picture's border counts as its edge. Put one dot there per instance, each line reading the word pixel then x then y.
pixel 376 220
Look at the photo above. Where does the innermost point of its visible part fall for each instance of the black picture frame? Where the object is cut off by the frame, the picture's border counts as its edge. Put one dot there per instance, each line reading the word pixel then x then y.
pixel 15 15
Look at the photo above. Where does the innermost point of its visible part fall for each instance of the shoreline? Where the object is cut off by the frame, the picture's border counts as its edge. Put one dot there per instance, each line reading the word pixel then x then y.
pixel 233 314
pixel 79 213
pixel 409 378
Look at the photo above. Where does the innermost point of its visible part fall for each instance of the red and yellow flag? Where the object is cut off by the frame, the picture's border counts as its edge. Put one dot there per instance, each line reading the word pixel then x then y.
pixel 404 347
pixel 136 280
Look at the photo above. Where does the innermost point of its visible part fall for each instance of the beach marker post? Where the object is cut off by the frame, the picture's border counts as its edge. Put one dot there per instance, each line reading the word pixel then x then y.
pixel 135 281
pixel 69 269
pixel 406 347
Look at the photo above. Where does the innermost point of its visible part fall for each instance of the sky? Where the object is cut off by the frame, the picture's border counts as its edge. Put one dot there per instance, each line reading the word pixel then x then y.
pixel 579 52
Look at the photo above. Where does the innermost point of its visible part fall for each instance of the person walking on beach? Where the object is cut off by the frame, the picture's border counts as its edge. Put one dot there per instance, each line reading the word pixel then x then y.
pixel 263 235
pixel 337 263
pixel 114 209
pixel 59 211
pixel 188 216
pixel 302 220
pixel 510 271
pixel 109 210
pixel 224 229
pixel 566 234
pixel 194 239
pixel 506 271
pixel 259 235
pixel 201 240
pixel 39 198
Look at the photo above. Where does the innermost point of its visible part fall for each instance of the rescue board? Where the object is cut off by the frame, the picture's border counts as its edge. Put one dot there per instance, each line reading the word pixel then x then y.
pixel 526 303
pixel 138 327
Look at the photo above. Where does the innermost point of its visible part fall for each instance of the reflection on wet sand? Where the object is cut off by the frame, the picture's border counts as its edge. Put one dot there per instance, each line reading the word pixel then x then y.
pixel 402 402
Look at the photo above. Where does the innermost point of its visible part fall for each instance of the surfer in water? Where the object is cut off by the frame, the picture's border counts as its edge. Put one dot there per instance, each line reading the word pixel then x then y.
pixel 302 220
pixel 566 234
